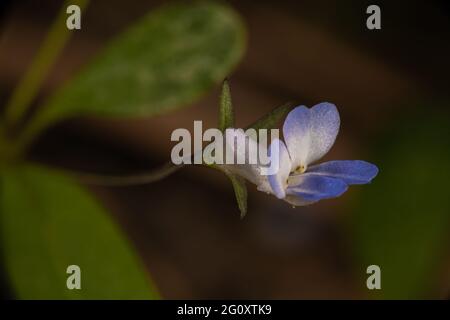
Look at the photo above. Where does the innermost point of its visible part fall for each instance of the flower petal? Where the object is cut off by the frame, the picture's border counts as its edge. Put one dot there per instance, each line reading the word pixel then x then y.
pixel 248 170
pixel 310 133
pixel 282 163
pixel 350 171
pixel 313 187
pixel 325 123
pixel 297 200
pixel 296 129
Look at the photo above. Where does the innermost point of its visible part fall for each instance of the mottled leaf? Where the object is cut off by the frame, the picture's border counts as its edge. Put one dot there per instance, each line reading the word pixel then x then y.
pixel 168 59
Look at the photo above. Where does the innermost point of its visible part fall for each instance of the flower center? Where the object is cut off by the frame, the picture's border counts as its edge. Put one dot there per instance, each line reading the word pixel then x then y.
pixel 300 169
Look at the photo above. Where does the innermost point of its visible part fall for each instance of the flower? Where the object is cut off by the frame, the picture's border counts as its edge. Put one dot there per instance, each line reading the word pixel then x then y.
pixel 309 134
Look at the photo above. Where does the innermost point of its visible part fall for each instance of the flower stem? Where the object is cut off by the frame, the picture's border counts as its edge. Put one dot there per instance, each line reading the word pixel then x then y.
pixel 29 86
pixel 128 180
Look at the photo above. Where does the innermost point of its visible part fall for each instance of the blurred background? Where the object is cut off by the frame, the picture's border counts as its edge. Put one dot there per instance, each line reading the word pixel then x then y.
pixel 391 88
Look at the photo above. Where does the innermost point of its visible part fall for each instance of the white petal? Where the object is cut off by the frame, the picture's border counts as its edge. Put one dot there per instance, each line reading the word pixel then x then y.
pixel 310 133
pixel 296 130
pixel 325 123
pixel 248 170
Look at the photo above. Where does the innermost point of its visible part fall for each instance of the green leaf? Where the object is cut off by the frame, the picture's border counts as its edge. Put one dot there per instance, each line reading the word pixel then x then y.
pixel 49 222
pixel 226 113
pixel 273 118
pixel 167 60
pixel 402 221
pixel 240 191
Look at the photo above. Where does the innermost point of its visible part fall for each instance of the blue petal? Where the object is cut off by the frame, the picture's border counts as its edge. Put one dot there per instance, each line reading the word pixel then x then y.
pixel 313 187
pixel 297 200
pixel 350 171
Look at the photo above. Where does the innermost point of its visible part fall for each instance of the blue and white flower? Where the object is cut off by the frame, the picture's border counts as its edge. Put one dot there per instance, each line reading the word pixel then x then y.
pixel 309 135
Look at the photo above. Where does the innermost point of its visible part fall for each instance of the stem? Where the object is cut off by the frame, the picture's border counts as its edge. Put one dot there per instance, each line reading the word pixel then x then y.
pixel 29 86
pixel 30 131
